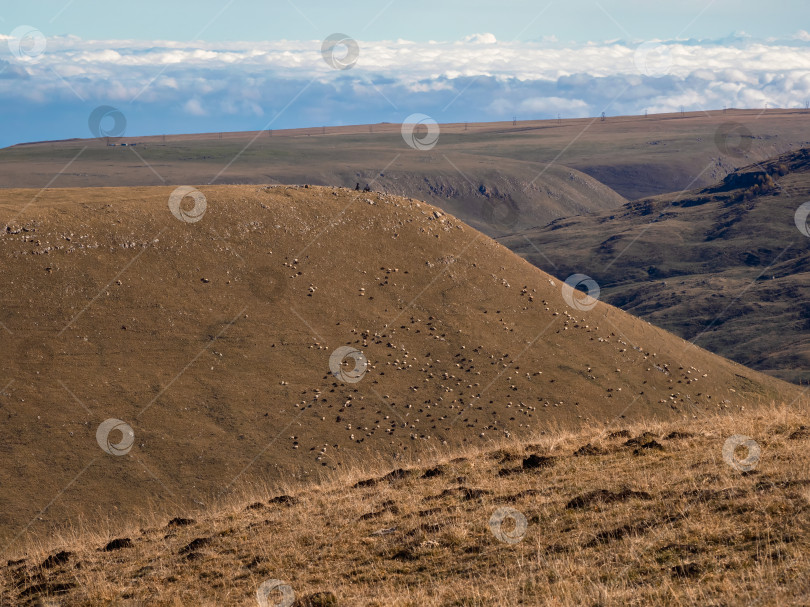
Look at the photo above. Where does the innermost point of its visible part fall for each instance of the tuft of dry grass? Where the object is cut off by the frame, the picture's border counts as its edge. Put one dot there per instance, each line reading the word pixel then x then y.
pixel 624 522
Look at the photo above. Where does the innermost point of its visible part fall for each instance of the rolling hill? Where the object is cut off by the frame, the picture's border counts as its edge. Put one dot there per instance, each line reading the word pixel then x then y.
pixel 635 156
pixel 723 266
pixel 163 352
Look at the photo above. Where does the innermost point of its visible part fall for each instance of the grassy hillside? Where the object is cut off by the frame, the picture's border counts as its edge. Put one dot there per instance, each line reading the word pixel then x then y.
pixel 636 156
pixel 209 344
pixel 614 514
pixel 723 266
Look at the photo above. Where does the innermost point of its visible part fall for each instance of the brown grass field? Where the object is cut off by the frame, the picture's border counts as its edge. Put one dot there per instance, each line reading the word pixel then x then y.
pixel 648 513
pixel 181 428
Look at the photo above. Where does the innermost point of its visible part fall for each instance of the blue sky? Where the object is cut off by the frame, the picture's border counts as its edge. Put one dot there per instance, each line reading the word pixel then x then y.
pixel 419 20
pixel 225 65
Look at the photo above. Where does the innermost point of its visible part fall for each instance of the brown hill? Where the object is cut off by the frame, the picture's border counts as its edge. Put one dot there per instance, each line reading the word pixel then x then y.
pixel 725 266
pixel 636 156
pixel 639 514
pixel 208 345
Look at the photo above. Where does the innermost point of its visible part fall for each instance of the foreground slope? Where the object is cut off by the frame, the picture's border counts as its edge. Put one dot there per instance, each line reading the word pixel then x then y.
pixel 208 345
pixel 640 514
pixel 725 266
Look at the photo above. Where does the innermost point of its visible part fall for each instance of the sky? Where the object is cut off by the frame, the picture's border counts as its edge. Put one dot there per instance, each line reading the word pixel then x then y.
pixel 224 65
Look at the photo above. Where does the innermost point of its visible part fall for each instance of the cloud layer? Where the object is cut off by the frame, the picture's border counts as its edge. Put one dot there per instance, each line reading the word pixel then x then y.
pixel 50 86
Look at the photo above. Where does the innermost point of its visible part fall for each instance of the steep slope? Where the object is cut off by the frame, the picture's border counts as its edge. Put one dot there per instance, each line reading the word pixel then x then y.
pixel 641 514
pixel 497 197
pixel 208 343
pixel 724 266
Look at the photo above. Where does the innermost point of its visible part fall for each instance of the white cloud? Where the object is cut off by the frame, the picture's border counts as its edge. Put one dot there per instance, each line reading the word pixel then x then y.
pixel 477 78
pixel 550 105
pixel 194 107
pixel 481 39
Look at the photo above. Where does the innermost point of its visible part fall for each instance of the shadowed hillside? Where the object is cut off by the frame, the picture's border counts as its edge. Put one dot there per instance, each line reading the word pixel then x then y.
pixel 725 266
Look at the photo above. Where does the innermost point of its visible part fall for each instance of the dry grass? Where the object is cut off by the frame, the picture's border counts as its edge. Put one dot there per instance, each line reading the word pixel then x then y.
pixel 695 532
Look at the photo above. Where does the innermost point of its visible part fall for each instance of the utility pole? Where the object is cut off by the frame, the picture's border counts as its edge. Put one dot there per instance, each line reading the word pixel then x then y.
pixel 514 120
pixel 603 117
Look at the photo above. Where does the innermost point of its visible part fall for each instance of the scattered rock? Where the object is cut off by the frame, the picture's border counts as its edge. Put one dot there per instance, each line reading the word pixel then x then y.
pixel 653 445
pixel 60 558
pixel 47 588
pixel 255 506
pixel 392 476
pixel 686 570
pixel 433 472
pixel 285 499
pixel 318 599
pixel 678 435
pixel 768 484
pixel 640 440
pixel 533 462
pixel 521 495
pixel 387 506
pixel 195 544
pixel 502 455
pixel 589 449
pixel 802 433
pixel 180 522
pixel 605 496
pixel 398 474
pixel 118 544
pixel 466 493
